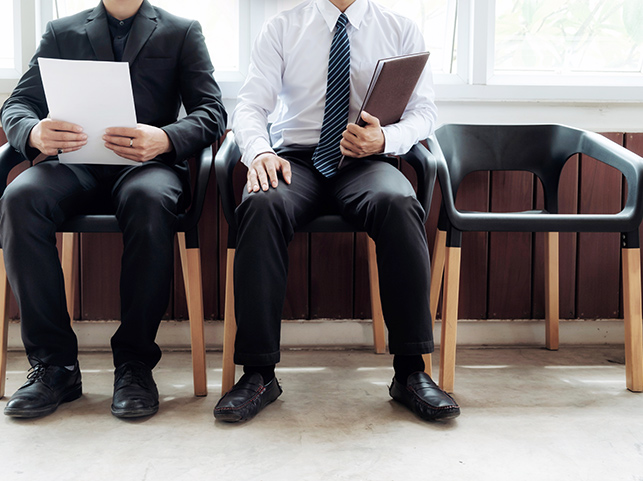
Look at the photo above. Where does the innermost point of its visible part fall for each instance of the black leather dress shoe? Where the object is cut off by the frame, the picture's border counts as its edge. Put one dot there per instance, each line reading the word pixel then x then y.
pixel 246 398
pixel 46 387
pixel 422 396
pixel 135 393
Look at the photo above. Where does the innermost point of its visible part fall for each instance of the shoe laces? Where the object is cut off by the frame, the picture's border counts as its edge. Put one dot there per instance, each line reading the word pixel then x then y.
pixel 37 372
pixel 132 375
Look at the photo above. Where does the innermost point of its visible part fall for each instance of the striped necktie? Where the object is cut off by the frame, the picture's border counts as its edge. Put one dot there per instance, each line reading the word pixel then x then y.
pixel 327 154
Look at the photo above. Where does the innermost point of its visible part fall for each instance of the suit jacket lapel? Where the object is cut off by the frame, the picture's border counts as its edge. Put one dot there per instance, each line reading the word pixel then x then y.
pixel 98 33
pixel 143 26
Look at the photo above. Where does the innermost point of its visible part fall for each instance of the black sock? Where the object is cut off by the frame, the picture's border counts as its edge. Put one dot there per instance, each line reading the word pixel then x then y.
pixel 406 365
pixel 267 372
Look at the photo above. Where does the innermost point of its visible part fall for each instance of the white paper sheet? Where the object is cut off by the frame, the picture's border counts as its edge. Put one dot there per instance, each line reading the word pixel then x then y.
pixel 94 95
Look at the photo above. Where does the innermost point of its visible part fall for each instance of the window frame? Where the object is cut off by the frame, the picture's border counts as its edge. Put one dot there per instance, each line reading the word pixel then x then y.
pixel 473 81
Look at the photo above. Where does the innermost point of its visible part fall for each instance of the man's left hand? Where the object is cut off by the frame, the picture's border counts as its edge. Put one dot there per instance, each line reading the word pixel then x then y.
pixel 361 142
pixel 141 144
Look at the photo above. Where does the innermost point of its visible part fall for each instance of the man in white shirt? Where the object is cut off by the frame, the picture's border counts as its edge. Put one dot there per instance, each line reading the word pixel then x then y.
pixel 311 66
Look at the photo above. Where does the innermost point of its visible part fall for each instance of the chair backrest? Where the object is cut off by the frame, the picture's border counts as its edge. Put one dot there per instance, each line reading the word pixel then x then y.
pixel 540 149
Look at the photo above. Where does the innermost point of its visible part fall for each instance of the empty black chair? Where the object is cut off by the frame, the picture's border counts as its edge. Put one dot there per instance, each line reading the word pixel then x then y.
pixel 543 151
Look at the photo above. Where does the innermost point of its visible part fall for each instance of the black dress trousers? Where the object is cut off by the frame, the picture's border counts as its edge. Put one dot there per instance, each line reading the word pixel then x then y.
pixel 371 194
pixel 145 198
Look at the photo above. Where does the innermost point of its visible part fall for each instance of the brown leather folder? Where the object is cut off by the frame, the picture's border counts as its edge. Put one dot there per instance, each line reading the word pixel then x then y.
pixel 391 87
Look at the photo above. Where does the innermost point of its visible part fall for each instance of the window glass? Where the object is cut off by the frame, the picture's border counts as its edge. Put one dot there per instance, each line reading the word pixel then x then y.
pixel 219 19
pixel 436 19
pixel 7 35
pixel 569 36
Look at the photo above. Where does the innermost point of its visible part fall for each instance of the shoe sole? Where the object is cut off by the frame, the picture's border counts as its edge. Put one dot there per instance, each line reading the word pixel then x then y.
pixel 72 395
pixel 134 413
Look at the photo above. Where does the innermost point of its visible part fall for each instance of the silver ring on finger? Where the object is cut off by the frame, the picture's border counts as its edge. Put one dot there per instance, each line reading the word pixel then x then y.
pixel 131 143
pixel 60 151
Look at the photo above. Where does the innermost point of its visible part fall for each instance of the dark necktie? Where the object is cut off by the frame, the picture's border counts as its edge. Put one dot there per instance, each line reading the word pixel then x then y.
pixel 327 154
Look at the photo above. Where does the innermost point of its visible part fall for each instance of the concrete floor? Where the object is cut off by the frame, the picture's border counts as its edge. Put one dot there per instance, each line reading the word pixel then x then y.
pixel 527 414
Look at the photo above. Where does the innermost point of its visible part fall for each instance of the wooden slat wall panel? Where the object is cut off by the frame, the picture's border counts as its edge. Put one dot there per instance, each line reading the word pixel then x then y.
pixel 597 288
pixel 568 198
pixel 473 194
pixel 362 297
pixel 331 275
pixel 328 275
pixel 509 252
pixel 296 304
pixel 100 256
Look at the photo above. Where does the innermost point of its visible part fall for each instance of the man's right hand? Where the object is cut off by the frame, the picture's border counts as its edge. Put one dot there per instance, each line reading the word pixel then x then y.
pixel 52 136
pixel 263 172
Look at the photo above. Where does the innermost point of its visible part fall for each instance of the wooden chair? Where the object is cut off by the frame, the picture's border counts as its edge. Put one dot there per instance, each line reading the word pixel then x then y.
pixel 543 151
pixel 188 240
pixel 226 159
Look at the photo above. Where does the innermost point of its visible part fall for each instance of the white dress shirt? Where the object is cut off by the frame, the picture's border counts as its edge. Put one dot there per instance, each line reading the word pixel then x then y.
pixel 289 66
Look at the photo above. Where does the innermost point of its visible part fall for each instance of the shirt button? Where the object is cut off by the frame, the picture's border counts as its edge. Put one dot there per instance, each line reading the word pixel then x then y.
pixel 121 23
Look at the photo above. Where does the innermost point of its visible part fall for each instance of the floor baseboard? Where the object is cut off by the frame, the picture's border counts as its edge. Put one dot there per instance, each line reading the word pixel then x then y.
pixel 356 333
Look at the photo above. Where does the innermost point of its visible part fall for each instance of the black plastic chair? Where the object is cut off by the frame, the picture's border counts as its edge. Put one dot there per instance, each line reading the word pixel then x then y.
pixel 543 151
pixel 226 159
pixel 188 239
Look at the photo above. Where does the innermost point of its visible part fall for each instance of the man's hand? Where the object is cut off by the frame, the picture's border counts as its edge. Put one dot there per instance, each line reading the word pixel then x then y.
pixel 141 144
pixel 361 142
pixel 52 136
pixel 263 172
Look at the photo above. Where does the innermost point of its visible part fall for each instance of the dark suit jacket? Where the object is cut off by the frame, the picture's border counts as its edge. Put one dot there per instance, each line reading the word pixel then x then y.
pixel 169 64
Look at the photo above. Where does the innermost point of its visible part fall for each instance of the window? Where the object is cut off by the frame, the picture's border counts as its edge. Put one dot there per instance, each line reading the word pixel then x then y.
pixel 481 50
pixel 569 37
pixel 7 40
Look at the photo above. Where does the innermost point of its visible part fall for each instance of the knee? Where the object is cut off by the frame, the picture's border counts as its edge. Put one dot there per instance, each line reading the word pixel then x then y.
pixel 262 207
pixel 148 211
pixel 396 206
pixel 20 201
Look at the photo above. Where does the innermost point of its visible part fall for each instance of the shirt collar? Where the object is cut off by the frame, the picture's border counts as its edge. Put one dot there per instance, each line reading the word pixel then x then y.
pixel 116 24
pixel 331 13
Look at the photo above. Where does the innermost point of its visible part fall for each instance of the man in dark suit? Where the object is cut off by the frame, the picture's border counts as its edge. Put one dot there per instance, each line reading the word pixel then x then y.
pixel 169 65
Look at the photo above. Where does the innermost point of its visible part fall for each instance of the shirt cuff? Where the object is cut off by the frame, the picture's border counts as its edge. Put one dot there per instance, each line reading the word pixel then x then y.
pixel 258 146
pixel 392 141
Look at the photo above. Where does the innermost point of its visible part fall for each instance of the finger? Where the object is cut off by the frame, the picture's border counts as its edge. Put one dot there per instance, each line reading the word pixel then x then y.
pixel 125 153
pixel 65 136
pixel 353 131
pixel 370 119
pixel 349 150
pixel 253 184
pixel 62 125
pixel 286 171
pixel 272 174
pixel 121 131
pixel 263 177
pixel 127 142
pixel 67 146
pixel 57 151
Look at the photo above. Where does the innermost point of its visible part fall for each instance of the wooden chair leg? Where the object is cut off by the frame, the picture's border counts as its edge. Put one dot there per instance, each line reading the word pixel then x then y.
pixel 552 289
pixel 437 273
pixel 633 319
pixel 4 323
pixel 450 295
pixel 191 264
pixel 69 264
pixel 229 327
pixel 379 333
